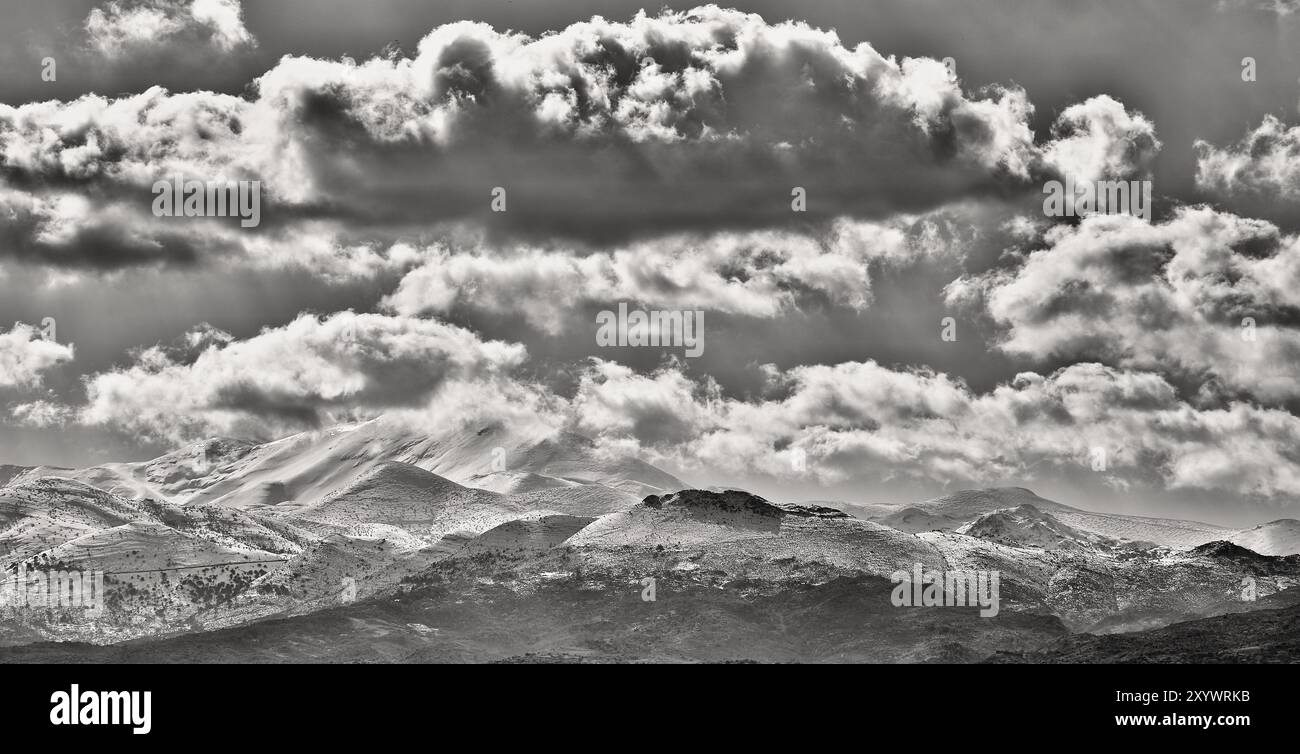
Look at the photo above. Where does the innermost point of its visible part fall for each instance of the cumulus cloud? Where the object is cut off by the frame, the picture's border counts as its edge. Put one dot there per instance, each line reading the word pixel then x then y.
pixel 120 28
pixel 603 132
pixel 856 421
pixel 1264 165
pixel 302 374
pixel 653 161
pixel 76 178
pixel 25 353
pixel 756 273
pixel 701 119
pixel 1206 295
pixel 862 422
pixel 1100 139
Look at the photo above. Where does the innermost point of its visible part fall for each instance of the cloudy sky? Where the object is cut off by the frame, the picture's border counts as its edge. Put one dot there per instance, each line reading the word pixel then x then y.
pixel 649 157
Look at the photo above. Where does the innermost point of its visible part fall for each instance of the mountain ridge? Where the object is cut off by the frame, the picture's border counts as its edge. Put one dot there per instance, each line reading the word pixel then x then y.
pixel 301 525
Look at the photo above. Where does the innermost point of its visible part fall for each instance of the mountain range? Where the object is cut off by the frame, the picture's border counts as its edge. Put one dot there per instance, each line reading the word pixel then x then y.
pixel 481 544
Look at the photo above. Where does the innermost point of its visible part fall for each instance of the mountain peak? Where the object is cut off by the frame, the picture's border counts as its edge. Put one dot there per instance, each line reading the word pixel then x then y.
pixel 1027 526
pixel 732 501
pixel 1223 549
pixel 738 501
pixel 399 475
pixel 1280 537
pixel 968 503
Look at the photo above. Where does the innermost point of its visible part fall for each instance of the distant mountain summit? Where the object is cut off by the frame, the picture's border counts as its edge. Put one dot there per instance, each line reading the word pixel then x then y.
pixel 1027 526
pixel 965 504
pixel 949 512
pixel 738 501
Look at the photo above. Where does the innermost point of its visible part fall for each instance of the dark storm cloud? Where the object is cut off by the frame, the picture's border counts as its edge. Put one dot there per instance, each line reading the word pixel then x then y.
pixel 601 132
pixel 70 231
pixel 1205 295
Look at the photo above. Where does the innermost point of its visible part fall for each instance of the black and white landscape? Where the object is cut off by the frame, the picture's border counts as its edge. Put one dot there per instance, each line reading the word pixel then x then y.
pixel 897 331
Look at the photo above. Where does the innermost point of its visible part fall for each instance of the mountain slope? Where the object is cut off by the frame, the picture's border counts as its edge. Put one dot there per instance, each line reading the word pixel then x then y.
pixel 471 455
pixel 738 535
pixel 951 512
pixel 1026 526
pixel 421 502
pixel 44 513
pixel 1165 532
pixel 1257 636
pixel 967 504
pixel 578 500
pixel 1280 537
pixel 531 534
pixel 306 467
pixel 224 533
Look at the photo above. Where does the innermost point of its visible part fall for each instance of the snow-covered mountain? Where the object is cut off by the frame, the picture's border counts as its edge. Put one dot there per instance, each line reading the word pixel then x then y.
pixel 1280 537
pixel 226 533
pixel 1027 526
pixel 306 467
pixel 950 512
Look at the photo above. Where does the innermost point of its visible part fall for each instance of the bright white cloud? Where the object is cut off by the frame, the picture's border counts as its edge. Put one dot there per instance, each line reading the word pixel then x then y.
pixel 863 423
pixel 25 353
pixel 302 374
pixel 1264 164
pixel 1206 295
pixel 120 28
pixel 1100 139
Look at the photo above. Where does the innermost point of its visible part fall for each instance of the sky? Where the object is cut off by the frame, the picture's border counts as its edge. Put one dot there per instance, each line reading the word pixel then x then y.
pixel 920 325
